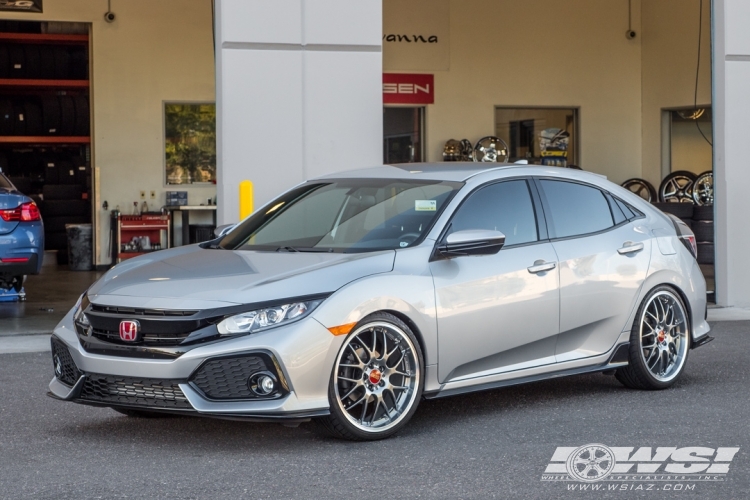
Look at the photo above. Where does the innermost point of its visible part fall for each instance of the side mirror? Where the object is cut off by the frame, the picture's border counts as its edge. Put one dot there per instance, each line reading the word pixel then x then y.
pixel 472 242
pixel 222 230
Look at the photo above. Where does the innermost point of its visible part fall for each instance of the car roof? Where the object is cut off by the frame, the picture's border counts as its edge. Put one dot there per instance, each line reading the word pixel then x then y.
pixel 455 171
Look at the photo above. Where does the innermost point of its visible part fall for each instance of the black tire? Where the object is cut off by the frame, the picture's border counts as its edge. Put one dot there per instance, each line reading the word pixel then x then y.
pixel 684 195
pixel 83 118
pixel 65 208
pixel 51 175
pixel 55 241
pixel 22 184
pixel 704 231
pixel 33 118
pixel 4 62
pixel 67 172
pixel 17 59
pixel 19 120
pixel 67 115
pixel 703 212
pixel 143 413
pixel 57 224
pixel 62 63
pixel 47 62
pixel 337 424
pixel 61 192
pixel 51 115
pixel 79 64
pixel 6 117
pixel 33 61
pixel 705 253
pixel 680 210
pixel 636 374
pixel 642 188
pixel 688 222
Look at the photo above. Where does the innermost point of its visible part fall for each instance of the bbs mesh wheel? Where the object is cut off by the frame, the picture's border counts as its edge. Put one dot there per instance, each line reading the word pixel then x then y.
pixel 377 380
pixel 659 342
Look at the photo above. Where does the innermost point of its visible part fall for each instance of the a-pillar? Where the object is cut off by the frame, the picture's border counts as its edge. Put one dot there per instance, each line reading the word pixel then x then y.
pixel 731 64
pixel 298 93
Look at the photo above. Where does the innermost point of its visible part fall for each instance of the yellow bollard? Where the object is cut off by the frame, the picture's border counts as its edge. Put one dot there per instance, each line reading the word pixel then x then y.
pixel 246 199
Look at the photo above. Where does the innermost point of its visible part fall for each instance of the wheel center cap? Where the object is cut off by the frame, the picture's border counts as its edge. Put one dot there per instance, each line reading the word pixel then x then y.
pixel 375 376
pixel 662 336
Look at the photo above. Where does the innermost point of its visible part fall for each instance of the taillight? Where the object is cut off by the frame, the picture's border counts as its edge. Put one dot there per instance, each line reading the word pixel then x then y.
pixel 26 212
pixel 689 241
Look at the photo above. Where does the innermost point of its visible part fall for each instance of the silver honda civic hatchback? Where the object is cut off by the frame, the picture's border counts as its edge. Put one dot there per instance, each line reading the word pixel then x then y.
pixel 351 297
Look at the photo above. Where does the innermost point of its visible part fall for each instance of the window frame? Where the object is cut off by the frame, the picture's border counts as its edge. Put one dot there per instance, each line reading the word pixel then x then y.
pixel 609 197
pixel 539 217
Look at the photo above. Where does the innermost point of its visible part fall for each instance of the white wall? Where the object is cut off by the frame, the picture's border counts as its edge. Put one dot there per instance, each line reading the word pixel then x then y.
pixel 543 53
pixel 298 93
pixel 731 60
pixel 154 51
pixel 670 52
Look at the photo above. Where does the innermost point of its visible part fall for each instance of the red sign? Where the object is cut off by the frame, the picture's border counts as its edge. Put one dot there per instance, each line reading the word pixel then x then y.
pixel 404 88
pixel 129 330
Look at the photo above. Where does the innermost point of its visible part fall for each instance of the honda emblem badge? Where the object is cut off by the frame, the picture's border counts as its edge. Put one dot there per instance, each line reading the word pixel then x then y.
pixel 129 330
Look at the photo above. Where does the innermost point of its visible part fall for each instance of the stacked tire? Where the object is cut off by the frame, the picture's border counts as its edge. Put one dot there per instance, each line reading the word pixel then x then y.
pixel 62 204
pixel 703 227
pixel 683 211
pixel 62 115
pixel 43 62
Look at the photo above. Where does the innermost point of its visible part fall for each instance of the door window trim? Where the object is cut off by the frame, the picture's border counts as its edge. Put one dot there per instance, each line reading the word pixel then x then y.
pixel 542 234
pixel 550 223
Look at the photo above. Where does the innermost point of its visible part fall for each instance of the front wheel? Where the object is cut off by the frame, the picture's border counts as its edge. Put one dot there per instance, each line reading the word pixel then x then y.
pixel 377 380
pixel 659 342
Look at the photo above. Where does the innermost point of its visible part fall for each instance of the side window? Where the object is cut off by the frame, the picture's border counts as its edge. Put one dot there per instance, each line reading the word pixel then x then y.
pixel 505 207
pixel 617 212
pixel 576 209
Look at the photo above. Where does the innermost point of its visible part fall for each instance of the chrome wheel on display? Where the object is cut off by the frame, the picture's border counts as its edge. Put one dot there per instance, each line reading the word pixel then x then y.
pixel 642 188
pixel 376 377
pixel 491 149
pixel 664 336
pixel 677 187
pixel 703 189
pixel 659 342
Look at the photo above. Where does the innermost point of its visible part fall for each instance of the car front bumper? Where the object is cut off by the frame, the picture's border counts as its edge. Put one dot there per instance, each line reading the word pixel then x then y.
pixel 302 354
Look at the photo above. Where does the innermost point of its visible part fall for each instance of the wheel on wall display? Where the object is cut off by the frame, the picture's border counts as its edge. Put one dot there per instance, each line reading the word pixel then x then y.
pixel 703 212
pixel 452 150
pixel 705 253
pixel 677 187
pixel 467 150
pixel 491 149
pixel 703 189
pixel 704 231
pixel 642 188
pixel 680 210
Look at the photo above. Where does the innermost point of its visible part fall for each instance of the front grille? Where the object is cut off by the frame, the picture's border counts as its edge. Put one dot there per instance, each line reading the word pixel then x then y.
pixel 66 372
pixel 130 391
pixel 135 311
pixel 152 339
pixel 226 378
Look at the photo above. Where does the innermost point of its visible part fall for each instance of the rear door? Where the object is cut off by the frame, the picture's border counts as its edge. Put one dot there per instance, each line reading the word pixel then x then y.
pixel 603 258
pixel 498 312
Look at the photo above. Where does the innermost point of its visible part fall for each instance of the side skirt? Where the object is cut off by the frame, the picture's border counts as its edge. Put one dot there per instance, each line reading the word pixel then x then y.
pixel 618 359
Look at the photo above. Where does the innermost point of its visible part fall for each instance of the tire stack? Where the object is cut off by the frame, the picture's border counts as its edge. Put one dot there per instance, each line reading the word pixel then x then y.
pixel 61 115
pixel 703 227
pixel 683 211
pixel 43 62
pixel 62 204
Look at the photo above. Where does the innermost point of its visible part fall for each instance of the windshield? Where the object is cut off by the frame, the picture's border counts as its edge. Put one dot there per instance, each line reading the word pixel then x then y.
pixel 351 215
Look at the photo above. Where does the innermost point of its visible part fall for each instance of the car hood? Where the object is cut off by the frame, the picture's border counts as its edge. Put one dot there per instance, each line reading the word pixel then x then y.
pixel 195 278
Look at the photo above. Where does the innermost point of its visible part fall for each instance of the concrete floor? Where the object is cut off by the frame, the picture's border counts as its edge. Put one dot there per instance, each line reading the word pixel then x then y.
pixel 49 296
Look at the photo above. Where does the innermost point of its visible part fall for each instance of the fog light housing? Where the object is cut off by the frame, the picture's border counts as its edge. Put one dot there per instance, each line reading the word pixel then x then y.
pixel 262 384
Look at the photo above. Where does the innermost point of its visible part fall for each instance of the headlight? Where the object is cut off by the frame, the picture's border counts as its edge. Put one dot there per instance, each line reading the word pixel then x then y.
pixel 78 316
pixel 269 317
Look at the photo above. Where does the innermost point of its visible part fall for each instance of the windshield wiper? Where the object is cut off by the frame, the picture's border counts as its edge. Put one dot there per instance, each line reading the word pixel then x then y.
pixel 305 249
pixel 288 249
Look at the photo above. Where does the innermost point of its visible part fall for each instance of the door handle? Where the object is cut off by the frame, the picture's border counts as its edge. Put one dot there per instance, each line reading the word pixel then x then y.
pixel 630 247
pixel 540 266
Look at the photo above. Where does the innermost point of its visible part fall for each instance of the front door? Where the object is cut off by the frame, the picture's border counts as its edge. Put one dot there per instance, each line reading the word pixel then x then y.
pixel 497 312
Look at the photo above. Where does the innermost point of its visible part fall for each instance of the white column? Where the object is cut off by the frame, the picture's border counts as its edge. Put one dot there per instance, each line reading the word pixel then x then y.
pixel 731 60
pixel 298 93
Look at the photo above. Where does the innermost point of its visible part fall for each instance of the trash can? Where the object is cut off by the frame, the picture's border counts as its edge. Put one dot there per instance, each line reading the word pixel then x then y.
pixel 201 232
pixel 79 247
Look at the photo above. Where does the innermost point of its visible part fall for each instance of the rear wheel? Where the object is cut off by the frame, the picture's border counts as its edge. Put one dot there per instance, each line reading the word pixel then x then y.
pixel 377 380
pixel 659 342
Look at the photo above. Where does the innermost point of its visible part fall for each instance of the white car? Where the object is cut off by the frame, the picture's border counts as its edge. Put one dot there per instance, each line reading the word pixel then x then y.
pixel 353 296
